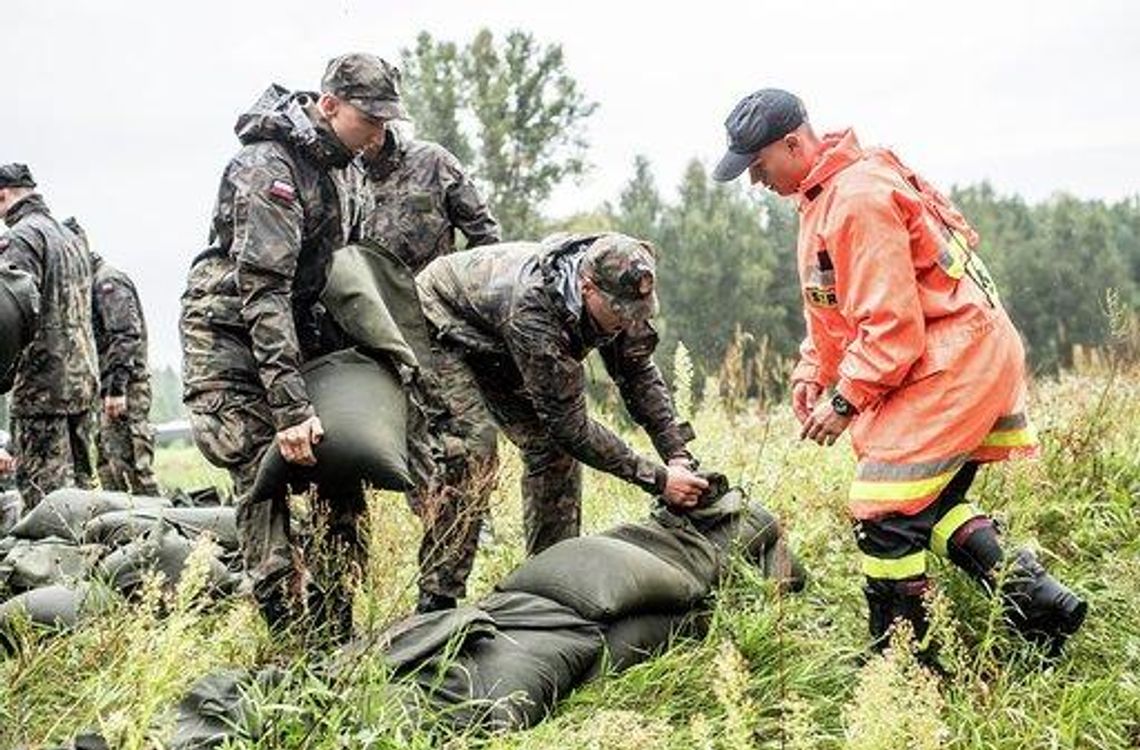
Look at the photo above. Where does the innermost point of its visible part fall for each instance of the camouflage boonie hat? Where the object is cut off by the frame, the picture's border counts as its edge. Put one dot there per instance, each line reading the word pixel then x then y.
pixel 367 82
pixel 16 175
pixel 624 270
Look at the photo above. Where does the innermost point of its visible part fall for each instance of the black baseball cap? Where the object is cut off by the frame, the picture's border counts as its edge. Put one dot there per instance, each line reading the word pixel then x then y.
pixel 761 118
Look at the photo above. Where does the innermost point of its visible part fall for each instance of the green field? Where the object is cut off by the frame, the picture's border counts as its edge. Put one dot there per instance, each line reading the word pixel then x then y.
pixel 774 671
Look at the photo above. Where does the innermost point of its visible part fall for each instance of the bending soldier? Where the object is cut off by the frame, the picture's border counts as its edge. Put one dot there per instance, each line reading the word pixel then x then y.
pixel 511 324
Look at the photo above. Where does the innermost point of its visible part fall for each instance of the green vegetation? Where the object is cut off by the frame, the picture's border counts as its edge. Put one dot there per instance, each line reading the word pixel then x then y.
pixel 773 672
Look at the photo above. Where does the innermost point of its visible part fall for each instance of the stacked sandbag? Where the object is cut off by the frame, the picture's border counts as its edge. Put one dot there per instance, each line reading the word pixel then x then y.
pixel 77 538
pixel 11 508
pixel 581 607
pixel 58 605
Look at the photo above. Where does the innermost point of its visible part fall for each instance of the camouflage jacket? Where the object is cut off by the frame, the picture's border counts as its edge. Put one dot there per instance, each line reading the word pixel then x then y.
pixel 504 304
pixel 251 312
pixel 57 371
pixel 418 195
pixel 120 329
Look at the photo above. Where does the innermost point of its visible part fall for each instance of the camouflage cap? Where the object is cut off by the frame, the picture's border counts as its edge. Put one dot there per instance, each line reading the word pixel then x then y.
pixel 624 270
pixel 367 82
pixel 16 175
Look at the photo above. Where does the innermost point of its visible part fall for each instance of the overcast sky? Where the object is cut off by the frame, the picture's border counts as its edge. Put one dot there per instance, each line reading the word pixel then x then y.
pixel 124 110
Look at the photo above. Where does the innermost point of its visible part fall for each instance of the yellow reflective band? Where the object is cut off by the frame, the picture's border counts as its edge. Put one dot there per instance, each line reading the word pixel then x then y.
pixel 919 488
pixel 948 524
pixel 895 570
pixel 1011 438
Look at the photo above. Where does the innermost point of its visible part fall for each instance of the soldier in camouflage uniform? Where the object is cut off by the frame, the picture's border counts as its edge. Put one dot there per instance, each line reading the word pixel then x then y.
pixel 251 313
pixel 417 196
pixel 125 443
pixel 512 323
pixel 56 377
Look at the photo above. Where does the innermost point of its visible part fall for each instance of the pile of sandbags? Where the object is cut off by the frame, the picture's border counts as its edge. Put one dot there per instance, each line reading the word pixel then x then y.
pixel 77 549
pixel 561 618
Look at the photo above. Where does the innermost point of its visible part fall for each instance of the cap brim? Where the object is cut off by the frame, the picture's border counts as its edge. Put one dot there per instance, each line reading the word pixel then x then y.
pixel 731 166
pixel 385 109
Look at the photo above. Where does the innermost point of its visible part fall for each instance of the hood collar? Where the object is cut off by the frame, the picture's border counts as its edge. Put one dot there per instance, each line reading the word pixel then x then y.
pixel 840 150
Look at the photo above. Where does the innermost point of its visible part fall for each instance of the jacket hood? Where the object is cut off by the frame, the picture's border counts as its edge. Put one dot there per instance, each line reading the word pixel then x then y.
pixel 840 150
pixel 283 116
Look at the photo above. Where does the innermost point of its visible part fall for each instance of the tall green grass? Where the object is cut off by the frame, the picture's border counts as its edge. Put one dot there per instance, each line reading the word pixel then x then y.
pixel 774 671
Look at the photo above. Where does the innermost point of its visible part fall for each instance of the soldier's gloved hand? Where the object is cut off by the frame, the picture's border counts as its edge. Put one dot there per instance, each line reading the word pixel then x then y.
pixel 805 394
pixel 7 462
pixel 683 488
pixel 296 442
pixel 115 406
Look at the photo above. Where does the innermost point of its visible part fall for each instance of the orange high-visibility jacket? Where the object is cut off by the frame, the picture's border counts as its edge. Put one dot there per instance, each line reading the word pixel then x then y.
pixel 904 321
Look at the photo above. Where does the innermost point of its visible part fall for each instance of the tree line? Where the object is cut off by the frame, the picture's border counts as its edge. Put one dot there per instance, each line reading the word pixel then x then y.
pixel 512 112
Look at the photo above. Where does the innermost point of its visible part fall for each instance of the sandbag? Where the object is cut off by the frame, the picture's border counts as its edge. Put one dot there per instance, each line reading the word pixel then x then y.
pixel 161 550
pixel 363 409
pixel 58 605
pixel 19 308
pixel 631 640
pixel 32 564
pixel 604 579
pixel 64 512
pixel 119 527
pixel 11 508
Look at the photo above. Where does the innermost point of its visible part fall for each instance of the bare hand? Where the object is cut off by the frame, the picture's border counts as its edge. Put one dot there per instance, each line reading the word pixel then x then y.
pixel 7 462
pixel 296 442
pixel 683 488
pixel 805 395
pixel 823 425
pixel 115 406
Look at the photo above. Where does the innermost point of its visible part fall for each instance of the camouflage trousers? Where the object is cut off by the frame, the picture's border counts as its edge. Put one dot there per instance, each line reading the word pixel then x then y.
pixel 233 430
pixel 468 398
pixel 125 445
pixel 53 451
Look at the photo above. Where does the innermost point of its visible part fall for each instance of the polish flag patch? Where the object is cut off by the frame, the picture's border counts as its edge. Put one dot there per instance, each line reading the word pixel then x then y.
pixel 283 191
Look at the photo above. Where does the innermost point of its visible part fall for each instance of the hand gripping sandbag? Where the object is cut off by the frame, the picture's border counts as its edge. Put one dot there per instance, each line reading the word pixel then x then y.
pixel 363 409
pixel 64 512
pixel 604 579
pixel 19 308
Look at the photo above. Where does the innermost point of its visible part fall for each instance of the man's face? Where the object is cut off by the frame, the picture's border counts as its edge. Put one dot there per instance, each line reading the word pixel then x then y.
pixel 603 314
pixel 780 166
pixel 356 129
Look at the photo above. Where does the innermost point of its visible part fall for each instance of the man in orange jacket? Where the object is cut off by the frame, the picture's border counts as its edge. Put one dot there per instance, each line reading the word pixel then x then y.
pixel 905 326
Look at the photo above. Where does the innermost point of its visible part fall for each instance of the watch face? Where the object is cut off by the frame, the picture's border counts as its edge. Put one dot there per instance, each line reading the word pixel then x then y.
pixel 841 405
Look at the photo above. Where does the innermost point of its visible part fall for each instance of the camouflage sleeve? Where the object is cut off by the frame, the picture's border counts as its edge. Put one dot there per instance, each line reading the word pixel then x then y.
pixel 118 309
pixel 629 361
pixel 555 382
pixel 468 211
pixel 268 219
pixel 18 252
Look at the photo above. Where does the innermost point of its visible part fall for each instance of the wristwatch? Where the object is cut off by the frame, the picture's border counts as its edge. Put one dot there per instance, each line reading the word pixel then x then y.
pixel 842 406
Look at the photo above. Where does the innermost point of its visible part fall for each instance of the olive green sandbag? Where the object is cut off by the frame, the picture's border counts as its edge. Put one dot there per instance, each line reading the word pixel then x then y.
pixel 64 513
pixel 19 308
pixel 119 527
pixel 32 564
pixel 163 550
pixel 362 406
pixel 604 579
pixel 56 605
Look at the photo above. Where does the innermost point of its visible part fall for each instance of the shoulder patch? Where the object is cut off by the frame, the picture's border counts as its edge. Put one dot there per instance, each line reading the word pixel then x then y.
pixel 283 191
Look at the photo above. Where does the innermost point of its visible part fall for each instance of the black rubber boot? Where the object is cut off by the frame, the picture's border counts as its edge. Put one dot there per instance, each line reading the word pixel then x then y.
pixel 433 602
pixel 974 547
pixel 888 601
pixel 1038 606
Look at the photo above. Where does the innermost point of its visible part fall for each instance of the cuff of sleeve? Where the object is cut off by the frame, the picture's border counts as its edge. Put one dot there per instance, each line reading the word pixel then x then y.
pixel 806 372
pixel 857 397
pixel 116 385
pixel 650 476
pixel 285 417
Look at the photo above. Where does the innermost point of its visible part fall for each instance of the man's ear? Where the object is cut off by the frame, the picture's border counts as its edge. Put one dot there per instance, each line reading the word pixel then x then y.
pixel 327 104
pixel 793 142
